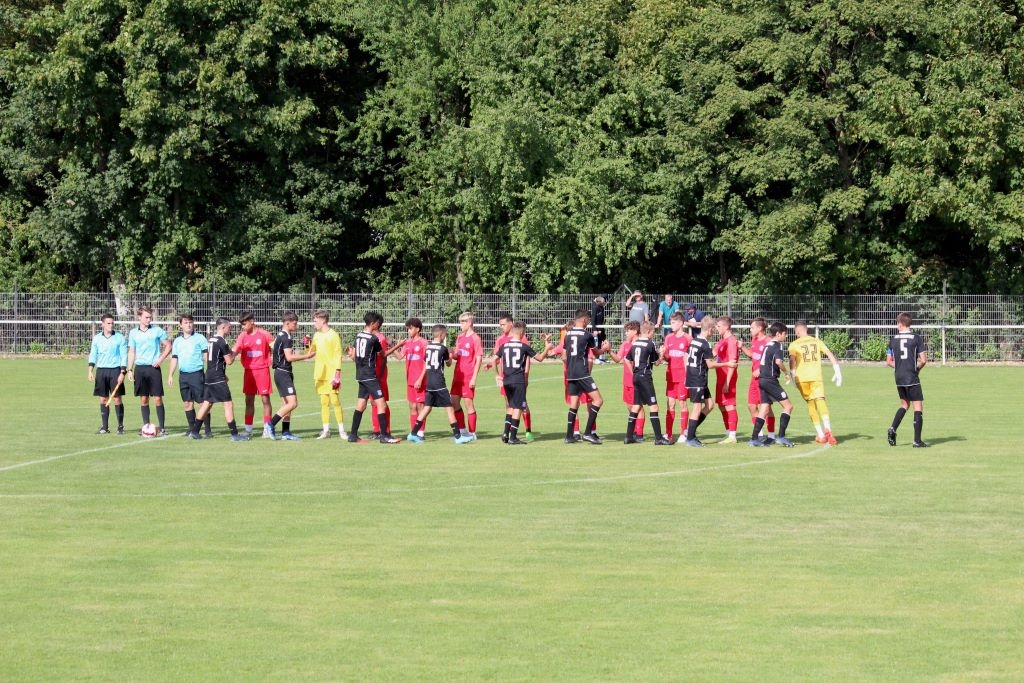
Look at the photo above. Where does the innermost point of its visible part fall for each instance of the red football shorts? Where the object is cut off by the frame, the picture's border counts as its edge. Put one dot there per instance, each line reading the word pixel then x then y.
pixel 414 395
pixel 676 390
pixel 256 381
pixel 754 392
pixel 461 388
pixel 726 396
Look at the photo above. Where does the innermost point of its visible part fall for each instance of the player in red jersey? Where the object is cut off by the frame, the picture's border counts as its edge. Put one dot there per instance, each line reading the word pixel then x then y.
pixel 674 350
pixel 505 322
pixel 727 349
pixel 758 338
pixel 382 378
pixel 413 350
pixel 253 346
pixel 631 330
pixel 469 354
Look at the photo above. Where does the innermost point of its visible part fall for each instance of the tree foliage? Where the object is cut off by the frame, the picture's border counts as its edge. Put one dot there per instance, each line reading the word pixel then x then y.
pixel 838 145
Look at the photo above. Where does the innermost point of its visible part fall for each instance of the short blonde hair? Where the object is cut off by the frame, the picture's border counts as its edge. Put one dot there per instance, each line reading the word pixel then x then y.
pixel 467 317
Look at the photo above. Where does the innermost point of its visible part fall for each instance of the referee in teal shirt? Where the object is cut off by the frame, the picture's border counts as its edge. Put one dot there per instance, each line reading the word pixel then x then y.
pixel 147 349
pixel 187 353
pixel 108 361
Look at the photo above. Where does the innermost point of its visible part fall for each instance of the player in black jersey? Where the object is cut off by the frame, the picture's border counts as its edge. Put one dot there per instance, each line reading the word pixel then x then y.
pixel 435 358
pixel 643 354
pixel 700 357
pixel 367 348
pixel 579 343
pixel 282 358
pixel 774 362
pixel 215 389
pixel 908 354
pixel 514 356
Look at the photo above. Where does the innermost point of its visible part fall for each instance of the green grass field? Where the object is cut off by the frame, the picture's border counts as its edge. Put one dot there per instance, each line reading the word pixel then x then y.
pixel 167 559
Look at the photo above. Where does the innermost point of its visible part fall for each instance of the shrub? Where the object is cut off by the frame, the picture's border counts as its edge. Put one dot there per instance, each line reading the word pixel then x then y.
pixel 838 342
pixel 990 352
pixel 874 347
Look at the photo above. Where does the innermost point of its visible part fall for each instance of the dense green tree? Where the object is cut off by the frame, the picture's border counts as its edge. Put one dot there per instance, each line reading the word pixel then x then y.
pixel 834 145
pixel 166 144
pixel 850 146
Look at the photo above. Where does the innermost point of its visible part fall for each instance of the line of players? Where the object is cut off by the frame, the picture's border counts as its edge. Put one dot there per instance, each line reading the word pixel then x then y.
pixel 688 356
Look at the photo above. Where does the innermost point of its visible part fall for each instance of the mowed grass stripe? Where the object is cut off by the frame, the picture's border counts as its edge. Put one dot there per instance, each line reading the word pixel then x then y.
pixel 860 562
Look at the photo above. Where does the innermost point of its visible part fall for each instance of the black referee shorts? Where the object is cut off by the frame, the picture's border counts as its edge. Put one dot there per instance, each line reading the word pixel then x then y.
pixel 192 385
pixel 149 381
pixel 106 380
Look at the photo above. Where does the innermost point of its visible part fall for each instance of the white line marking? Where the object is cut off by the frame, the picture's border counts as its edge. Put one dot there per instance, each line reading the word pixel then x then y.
pixel 426 489
pixel 123 444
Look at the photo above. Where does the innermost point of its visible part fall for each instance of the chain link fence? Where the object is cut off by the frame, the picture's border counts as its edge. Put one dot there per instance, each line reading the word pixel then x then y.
pixel 957 327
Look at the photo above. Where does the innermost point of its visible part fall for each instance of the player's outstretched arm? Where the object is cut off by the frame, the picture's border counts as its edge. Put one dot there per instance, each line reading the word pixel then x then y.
pixel 547 349
pixel 837 374
pixel 398 345
pixel 293 357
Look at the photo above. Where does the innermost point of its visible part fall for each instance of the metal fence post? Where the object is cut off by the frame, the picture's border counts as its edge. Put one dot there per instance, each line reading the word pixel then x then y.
pixel 408 301
pixel 515 300
pixel 945 315
pixel 14 339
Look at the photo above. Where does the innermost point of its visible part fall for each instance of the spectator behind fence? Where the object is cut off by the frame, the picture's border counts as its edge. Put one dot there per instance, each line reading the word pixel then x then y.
pixel 665 310
pixel 638 309
pixel 693 316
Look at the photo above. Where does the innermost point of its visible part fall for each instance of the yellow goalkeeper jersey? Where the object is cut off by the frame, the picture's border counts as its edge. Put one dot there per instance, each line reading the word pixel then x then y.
pixel 806 354
pixel 328 354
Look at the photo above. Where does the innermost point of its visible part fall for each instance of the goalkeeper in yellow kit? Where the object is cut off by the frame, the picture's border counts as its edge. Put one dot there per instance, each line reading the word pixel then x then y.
pixel 327 373
pixel 805 354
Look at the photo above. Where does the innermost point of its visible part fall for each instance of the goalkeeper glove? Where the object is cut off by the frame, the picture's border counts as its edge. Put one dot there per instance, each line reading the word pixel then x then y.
pixel 336 382
pixel 837 377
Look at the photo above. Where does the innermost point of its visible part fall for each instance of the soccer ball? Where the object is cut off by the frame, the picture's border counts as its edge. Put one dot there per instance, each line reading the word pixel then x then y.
pixel 149 430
